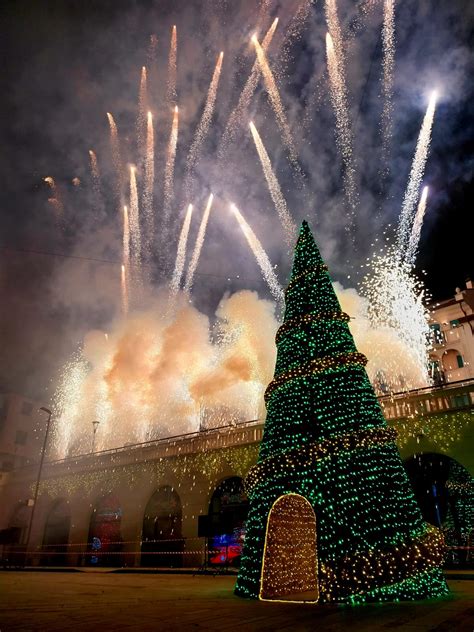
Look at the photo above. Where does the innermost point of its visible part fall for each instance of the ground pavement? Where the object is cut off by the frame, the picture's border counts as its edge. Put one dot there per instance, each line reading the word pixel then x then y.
pixel 102 601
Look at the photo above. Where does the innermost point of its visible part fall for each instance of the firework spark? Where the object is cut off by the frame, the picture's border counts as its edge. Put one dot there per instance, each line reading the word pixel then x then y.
pixel 181 252
pixel 135 233
pixel 343 125
pixel 147 196
pixel 198 246
pixel 260 255
pixel 205 122
pixel 292 34
pixel 388 64
pixel 412 249
pixel 275 100
pixel 416 175
pixel 126 240
pixel 169 169
pixel 115 149
pixel 142 116
pixel 55 200
pixel 246 95
pixel 96 187
pixel 279 201
pixel 171 94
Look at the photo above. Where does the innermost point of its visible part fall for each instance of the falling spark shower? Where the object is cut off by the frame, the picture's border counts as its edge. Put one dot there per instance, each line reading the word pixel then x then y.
pixel 388 64
pixel 412 249
pixel 171 94
pixel 181 252
pixel 198 246
pixel 169 170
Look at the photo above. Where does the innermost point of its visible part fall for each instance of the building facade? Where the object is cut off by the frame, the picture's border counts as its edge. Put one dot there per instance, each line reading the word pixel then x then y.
pixel 181 502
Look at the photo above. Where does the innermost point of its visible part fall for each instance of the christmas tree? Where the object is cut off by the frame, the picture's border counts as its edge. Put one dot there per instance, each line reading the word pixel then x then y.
pixel 332 514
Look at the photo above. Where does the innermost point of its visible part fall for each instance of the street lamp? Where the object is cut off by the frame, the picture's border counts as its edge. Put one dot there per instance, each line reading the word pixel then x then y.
pixel 95 425
pixel 43 452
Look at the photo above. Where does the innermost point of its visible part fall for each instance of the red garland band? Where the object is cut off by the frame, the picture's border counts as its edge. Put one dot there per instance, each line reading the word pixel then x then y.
pixel 292 323
pixel 365 571
pixel 317 365
pixel 369 438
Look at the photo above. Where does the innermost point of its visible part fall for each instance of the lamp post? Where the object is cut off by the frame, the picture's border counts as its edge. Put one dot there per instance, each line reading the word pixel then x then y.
pixel 95 425
pixel 43 452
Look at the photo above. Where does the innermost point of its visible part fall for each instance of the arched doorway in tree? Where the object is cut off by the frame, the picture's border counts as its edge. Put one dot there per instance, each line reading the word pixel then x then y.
pixel 445 492
pixel 105 538
pixel 162 541
pixel 290 563
pixel 56 535
pixel 228 512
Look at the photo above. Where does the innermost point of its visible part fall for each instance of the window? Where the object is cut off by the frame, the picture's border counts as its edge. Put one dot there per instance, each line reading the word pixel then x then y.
pixel 454 323
pixel 437 336
pixel 26 408
pixel 21 436
pixel 460 361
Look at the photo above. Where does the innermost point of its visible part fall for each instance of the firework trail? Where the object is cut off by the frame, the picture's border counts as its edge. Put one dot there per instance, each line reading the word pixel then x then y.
pixel 343 125
pixel 181 253
pixel 235 119
pixel 169 169
pixel 388 64
pixel 142 116
pixel 292 34
pixel 95 175
pixel 55 199
pixel 198 246
pixel 152 49
pixel 288 224
pixel 124 291
pixel 147 196
pixel 205 122
pixel 115 148
pixel 171 94
pixel 126 240
pixel 135 233
pixel 416 175
pixel 276 103
pixel 412 249
pixel 260 255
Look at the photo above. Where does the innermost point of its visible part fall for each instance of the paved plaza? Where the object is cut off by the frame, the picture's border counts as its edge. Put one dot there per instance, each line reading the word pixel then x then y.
pixel 66 601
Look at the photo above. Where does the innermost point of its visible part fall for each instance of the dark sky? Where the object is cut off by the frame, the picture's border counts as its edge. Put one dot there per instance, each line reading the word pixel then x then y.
pixel 65 64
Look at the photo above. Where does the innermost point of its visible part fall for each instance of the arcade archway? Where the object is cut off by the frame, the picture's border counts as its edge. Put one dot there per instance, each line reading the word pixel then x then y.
pixel 56 535
pixel 105 538
pixel 162 541
pixel 445 493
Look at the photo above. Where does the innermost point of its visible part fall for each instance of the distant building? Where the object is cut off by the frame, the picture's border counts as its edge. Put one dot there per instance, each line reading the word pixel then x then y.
pixel 20 443
pixel 452 327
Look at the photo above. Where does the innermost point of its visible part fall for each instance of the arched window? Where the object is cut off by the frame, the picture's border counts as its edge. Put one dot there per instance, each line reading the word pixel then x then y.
pixel 56 535
pixel 162 542
pixel 105 538
pixel 228 511
pixel 445 492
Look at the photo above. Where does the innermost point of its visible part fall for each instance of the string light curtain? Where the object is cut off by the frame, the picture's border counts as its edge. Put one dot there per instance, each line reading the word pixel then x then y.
pixel 326 439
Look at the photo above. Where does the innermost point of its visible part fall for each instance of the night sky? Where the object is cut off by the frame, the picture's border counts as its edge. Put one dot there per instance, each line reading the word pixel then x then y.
pixel 65 64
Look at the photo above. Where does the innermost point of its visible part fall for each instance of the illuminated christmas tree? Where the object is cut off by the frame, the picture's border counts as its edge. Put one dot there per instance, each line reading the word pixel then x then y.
pixel 332 514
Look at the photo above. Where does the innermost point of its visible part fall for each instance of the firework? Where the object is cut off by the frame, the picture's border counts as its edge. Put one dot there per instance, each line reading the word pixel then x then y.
pixel 126 240
pixel 341 111
pixel 275 100
pixel 55 200
pixel 135 233
pixel 388 64
pixel 115 149
pixel 246 95
pixel 124 291
pixel 412 249
pixel 181 252
pixel 169 169
pixel 147 196
pixel 416 174
pixel 171 94
pixel 292 34
pixel 288 224
pixel 142 116
pixel 205 122
pixel 260 255
pixel 95 175
pixel 198 246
